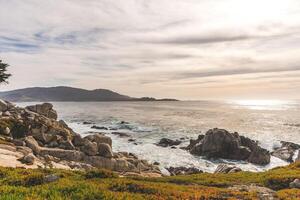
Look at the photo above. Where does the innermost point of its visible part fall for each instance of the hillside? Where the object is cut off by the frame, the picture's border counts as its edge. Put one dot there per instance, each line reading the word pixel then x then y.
pixel 62 93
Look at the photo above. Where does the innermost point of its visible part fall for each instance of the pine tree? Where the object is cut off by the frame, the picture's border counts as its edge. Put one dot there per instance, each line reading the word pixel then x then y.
pixel 3 75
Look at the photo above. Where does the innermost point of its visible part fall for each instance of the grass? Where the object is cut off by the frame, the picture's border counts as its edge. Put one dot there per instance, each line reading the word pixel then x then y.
pixel 19 184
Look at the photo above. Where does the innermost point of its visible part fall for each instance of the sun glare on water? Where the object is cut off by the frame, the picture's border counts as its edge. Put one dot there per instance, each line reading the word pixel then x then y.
pixel 262 104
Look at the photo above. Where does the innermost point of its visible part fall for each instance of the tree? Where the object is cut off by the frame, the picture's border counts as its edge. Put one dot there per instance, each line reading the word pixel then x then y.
pixel 3 75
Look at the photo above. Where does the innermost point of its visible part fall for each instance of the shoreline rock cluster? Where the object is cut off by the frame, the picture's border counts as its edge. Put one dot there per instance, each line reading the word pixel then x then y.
pixel 35 138
pixel 219 143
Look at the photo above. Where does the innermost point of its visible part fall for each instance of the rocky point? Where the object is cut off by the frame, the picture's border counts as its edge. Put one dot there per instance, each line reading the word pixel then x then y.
pixel 32 137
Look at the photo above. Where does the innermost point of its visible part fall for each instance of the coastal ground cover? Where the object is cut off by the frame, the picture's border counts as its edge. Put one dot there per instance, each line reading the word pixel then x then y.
pixel 102 184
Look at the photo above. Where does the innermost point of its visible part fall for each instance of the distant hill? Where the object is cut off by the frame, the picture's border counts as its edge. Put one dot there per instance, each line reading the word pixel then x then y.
pixel 62 93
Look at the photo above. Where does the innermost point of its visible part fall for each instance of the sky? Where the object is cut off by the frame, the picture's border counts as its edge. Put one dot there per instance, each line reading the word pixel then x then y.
pixel 185 49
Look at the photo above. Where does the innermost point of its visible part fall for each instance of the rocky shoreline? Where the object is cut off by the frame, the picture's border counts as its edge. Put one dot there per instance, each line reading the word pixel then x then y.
pixel 32 137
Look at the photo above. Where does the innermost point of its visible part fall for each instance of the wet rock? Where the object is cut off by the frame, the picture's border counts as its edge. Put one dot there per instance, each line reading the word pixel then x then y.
pixel 174 171
pixel 193 142
pixel 99 127
pixel 165 142
pixel 156 163
pixel 223 168
pixel 286 151
pixel 87 123
pixel 259 156
pixel 295 184
pixel 121 134
pixel 105 150
pixel 219 143
pixel 298 157
pixel 131 140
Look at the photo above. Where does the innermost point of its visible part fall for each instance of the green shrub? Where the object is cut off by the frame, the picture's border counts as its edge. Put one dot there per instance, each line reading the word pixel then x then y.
pixel 100 173
pixel 133 188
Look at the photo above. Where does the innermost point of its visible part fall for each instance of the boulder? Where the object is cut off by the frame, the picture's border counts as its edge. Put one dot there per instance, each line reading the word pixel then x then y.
pixel 219 143
pixel 78 140
pixel 105 150
pixel 89 148
pixel 32 144
pixel 165 142
pixel 286 151
pixel 45 109
pixel 174 171
pixel 3 106
pixel 223 168
pixel 28 159
pixel 99 138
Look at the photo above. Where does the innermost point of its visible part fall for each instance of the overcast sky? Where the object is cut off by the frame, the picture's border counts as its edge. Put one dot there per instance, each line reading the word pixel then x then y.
pixel 186 49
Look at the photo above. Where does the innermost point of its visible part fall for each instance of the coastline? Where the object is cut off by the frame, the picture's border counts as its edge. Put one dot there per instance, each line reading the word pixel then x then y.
pixel 50 154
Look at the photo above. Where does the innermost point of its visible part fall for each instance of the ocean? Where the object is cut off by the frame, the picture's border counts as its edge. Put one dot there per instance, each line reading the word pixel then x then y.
pixel 268 122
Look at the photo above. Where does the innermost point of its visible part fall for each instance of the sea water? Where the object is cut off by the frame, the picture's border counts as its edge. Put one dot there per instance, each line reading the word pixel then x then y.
pixel 268 122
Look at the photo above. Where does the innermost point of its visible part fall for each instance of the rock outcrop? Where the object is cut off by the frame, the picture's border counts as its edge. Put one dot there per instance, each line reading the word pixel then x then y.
pixel 174 171
pixel 33 135
pixel 286 151
pixel 223 168
pixel 219 143
pixel 45 109
pixel 165 142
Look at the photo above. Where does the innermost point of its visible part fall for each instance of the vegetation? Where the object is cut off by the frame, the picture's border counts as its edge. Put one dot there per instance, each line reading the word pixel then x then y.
pixel 3 75
pixel 103 184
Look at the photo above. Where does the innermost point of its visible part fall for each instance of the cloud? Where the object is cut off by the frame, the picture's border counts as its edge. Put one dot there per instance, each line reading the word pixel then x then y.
pixel 195 40
pixel 144 48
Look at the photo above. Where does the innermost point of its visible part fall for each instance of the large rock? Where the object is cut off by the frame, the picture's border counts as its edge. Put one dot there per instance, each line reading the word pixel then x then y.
pixel 219 143
pixel 99 138
pixel 259 156
pixel 286 151
pixel 90 148
pixel 55 152
pixel 45 109
pixel 105 150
